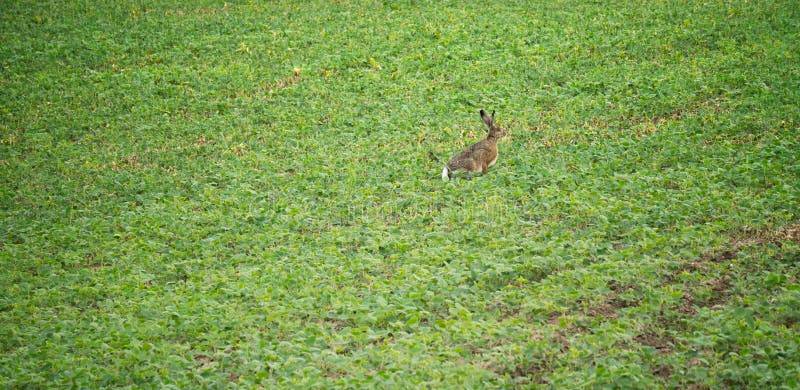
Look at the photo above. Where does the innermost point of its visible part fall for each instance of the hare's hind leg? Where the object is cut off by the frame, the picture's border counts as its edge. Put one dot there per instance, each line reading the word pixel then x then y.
pixel 471 167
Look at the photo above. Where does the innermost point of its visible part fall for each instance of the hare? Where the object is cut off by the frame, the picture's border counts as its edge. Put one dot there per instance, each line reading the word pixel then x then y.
pixel 480 156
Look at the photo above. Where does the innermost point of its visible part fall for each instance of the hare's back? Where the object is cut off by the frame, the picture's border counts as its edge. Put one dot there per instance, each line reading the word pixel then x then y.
pixel 484 151
pixel 473 157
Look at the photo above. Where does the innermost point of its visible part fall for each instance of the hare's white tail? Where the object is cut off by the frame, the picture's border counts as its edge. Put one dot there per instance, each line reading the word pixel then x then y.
pixel 445 174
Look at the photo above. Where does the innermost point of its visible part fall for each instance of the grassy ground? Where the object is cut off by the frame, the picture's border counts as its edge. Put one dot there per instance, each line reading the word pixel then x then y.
pixel 248 193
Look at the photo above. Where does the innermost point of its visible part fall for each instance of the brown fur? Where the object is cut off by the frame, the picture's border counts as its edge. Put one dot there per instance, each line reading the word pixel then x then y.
pixel 481 155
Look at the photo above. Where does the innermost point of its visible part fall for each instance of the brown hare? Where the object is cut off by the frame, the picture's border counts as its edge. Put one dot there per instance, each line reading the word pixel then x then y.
pixel 478 157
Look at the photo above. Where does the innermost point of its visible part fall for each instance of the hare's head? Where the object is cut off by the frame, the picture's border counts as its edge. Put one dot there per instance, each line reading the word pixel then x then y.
pixel 495 131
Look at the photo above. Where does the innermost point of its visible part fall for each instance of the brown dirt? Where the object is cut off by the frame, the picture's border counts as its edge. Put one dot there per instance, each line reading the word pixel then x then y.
pixel 789 233
pixel 563 341
pixel 619 303
pixel 613 302
pixel 618 287
pixel 663 371
pixel 533 370
pixel 754 237
pixel 721 292
pixel 552 319
pixel 604 309
pixel 129 162
pixel 721 286
pixel 284 82
pixel 721 256
pixel 687 305
pixel 203 360
pixel 662 343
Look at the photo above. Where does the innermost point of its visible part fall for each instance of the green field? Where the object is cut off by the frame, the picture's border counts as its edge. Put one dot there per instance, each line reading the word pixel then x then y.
pixel 248 194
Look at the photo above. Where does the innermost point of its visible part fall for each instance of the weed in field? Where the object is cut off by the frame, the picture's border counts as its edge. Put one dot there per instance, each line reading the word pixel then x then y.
pixel 217 194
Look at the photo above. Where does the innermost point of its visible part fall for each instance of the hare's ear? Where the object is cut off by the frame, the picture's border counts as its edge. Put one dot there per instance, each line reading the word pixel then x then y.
pixel 487 119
